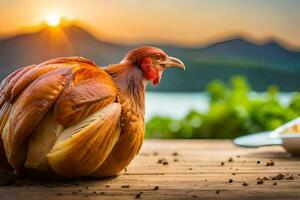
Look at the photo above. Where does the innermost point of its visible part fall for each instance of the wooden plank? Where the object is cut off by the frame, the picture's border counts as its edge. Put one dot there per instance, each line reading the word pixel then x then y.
pixel 194 171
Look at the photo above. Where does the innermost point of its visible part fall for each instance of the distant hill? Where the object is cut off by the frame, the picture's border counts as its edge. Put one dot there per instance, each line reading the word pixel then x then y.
pixel 269 53
pixel 263 64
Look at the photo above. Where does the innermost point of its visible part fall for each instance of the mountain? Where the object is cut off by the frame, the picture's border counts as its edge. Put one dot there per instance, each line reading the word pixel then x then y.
pixel 263 64
pixel 51 42
pixel 269 53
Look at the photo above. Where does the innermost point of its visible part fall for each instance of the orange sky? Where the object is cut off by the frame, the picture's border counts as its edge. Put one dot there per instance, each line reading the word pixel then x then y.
pixel 184 22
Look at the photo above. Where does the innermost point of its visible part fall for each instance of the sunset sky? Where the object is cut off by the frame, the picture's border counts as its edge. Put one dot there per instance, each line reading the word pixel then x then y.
pixel 184 22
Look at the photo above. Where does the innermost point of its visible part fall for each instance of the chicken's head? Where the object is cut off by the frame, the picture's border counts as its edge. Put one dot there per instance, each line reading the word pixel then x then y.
pixel 152 61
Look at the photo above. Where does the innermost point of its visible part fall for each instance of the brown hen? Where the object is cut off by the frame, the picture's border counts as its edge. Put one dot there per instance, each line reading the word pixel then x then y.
pixel 69 117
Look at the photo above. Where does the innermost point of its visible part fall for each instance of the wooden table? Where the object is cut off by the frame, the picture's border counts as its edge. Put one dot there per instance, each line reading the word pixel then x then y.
pixel 185 169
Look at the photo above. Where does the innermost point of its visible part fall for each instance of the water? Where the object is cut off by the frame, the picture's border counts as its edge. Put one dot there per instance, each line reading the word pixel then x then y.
pixel 177 105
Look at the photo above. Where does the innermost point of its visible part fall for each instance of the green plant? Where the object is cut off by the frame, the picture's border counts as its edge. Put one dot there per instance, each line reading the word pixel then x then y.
pixel 232 112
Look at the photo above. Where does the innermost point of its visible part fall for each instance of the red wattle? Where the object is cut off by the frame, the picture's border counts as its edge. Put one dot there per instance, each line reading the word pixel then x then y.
pixel 150 72
pixel 156 81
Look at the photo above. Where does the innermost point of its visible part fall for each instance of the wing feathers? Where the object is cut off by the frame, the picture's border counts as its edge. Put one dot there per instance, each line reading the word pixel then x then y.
pixel 28 110
pixel 90 89
pixel 38 102
pixel 82 148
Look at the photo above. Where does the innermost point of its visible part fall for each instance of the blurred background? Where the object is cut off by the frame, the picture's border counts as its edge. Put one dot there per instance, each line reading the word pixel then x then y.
pixel 242 57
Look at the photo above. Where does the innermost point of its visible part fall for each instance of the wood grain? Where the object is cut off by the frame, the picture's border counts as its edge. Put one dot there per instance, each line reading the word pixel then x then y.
pixel 195 173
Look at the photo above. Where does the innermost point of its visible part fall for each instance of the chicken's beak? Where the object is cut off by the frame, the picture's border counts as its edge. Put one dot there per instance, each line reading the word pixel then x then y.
pixel 173 62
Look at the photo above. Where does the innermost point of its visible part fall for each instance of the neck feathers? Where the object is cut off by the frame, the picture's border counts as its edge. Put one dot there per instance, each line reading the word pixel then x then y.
pixel 130 82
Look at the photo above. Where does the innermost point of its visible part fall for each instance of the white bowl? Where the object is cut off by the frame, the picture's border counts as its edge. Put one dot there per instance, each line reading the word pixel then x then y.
pixel 291 143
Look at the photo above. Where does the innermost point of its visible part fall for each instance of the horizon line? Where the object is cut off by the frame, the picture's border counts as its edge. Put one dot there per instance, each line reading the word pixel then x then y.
pixel 216 39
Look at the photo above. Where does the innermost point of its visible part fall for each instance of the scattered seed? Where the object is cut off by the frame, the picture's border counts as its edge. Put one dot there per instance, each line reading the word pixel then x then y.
pixel 156 188
pixel 290 177
pixel 238 156
pixel 94 192
pixel 175 154
pixel 222 163
pixel 175 160
pixel 275 183
pixel 165 162
pixel 258 162
pixel 245 184
pixel 194 196
pixel 278 177
pixel 260 182
pixel 218 192
pixel 230 181
pixel 230 159
pixel 233 174
pixel 125 186
pixel 190 168
pixel 59 194
pixel 107 186
pixel 270 163
pixel 138 195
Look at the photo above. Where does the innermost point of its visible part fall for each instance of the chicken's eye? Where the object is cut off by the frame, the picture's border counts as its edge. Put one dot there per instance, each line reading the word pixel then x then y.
pixel 157 57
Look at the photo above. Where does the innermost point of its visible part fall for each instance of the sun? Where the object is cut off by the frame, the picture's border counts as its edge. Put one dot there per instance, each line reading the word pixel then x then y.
pixel 53 20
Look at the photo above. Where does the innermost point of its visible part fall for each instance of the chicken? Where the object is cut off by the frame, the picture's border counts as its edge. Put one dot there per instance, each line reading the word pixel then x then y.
pixel 69 117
